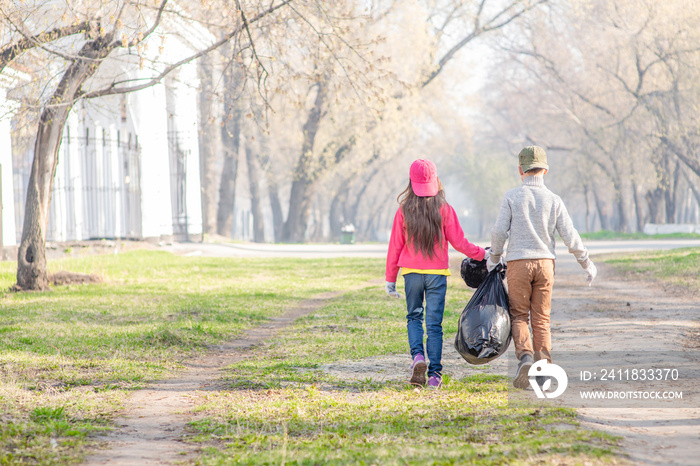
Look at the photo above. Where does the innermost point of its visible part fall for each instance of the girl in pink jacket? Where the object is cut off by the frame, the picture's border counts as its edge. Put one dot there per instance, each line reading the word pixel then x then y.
pixel 423 225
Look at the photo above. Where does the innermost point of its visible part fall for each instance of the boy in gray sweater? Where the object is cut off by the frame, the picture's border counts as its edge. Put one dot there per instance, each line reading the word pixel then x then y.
pixel 529 217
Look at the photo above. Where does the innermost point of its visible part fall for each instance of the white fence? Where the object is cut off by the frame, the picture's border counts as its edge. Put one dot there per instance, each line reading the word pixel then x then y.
pixel 96 191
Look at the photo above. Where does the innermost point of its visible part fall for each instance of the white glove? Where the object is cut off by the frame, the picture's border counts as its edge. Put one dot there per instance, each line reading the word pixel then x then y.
pixel 490 264
pixel 390 288
pixel 487 254
pixel 591 271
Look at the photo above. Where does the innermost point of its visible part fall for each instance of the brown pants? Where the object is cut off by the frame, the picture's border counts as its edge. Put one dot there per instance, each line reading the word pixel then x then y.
pixel 530 284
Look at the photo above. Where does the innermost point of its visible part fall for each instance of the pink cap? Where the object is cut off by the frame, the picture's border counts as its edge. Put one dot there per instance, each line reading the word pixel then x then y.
pixel 423 176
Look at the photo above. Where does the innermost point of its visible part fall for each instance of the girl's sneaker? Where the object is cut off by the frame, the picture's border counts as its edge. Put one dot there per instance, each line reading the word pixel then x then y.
pixel 418 370
pixel 435 382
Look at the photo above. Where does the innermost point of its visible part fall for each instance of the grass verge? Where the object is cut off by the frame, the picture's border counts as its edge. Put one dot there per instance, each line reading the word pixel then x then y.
pixel 680 267
pixel 605 235
pixel 282 405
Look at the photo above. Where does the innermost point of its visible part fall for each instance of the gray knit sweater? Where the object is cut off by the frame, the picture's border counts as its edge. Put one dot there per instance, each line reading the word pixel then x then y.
pixel 529 217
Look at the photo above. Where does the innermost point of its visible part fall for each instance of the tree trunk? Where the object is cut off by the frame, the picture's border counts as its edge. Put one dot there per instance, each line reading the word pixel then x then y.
pixel 691 161
pixel 695 191
pixel 317 222
pixel 301 195
pixel 276 206
pixel 272 193
pixel 620 211
pixel 620 220
pixel 639 212
pixel 336 215
pixel 684 204
pixel 255 201
pixel 653 199
pixel 209 144
pixel 589 226
pixel 352 215
pixel 230 138
pixel 377 217
pixel 670 196
pixel 600 207
pixel 31 255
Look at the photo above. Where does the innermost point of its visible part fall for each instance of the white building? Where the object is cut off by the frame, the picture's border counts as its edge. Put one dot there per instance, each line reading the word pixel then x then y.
pixel 129 164
pixel 9 78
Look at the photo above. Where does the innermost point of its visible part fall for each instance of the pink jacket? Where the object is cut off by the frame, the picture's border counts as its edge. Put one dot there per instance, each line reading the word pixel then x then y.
pixel 401 255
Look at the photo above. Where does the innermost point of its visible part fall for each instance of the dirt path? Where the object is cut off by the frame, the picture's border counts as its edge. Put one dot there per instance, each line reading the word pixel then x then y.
pixel 152 427
pixel 638 317
pixel 644 320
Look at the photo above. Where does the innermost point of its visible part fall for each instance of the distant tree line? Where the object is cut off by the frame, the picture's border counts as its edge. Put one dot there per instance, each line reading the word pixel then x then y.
pixel 324 104
pixel 611 89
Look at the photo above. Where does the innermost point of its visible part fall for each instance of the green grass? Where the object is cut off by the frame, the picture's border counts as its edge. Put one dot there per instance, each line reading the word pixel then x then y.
pixel 79 349
pixel 70 357
pixel 280 406
pixel 467 423
pixel 605 235
pixel 678 267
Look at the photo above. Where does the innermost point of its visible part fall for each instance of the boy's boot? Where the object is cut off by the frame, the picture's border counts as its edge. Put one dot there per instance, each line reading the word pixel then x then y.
pixel 418 370
pixel 544 381
pixel 522 380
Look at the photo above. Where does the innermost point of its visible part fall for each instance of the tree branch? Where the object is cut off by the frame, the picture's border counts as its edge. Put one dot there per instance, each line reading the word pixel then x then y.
pixel 491 25
pixel 332 52
pixel 112 89
pixel 693 164
pixel 156 23
pixel 262 76
pixel 12 51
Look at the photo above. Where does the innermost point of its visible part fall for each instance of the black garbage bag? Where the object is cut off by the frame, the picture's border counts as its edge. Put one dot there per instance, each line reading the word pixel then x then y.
pixel 473 272
pixel 483 333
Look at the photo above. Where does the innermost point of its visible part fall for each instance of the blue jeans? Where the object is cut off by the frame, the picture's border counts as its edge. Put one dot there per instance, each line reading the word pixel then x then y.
pixel 433 288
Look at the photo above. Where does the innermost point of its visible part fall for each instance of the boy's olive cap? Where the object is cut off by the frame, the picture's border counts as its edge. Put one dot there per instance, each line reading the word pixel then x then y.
pixel 532 157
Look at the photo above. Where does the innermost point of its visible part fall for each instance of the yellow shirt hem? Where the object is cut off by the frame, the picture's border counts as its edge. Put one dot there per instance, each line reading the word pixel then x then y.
pixel 445 272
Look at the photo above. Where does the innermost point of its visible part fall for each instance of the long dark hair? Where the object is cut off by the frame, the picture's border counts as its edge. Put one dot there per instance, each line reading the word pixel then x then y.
pixel 422 219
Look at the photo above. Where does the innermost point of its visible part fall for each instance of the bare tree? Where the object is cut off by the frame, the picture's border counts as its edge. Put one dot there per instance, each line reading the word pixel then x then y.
pixel 231 141
pixel 448 19
pixel 614 83
pixel 130 25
